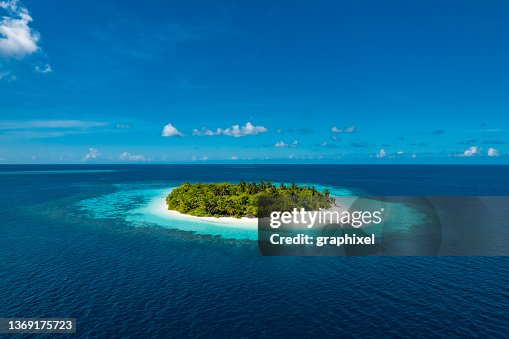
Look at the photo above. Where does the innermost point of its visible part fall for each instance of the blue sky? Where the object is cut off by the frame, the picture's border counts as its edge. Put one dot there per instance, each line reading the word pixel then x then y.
pixel 254 81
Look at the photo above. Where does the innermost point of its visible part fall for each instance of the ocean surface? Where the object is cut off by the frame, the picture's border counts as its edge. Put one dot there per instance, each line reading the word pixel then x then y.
pixel 93 243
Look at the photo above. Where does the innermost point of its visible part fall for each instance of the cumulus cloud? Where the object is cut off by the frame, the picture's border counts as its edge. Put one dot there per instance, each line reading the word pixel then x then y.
pixel 17 38
pixel 93 153
pixel 492 152
pixel 126 156
pixel 381 154
pixel 247 129
pixel 234 131
pixel 471 151
pixel 170 131
pixel 350 129
pixel 122 126
pixel 477 151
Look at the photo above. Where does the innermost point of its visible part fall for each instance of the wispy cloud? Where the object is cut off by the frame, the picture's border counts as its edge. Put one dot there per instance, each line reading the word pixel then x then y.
pixel 93 153
pixel 467 142
pixel 47 128
pixel 493 142
pixel 17 38
pixel 126 156
pixel 283 144
pixel 207 132
pixel 233 131
pixel 44 69
pixel 358 144
pixel 350 129
pixel 49 124
pixel 170 131
pixel 8 76
pixel 328 145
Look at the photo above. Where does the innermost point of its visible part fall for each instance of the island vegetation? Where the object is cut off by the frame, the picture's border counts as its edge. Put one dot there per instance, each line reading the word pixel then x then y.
pixel 239 200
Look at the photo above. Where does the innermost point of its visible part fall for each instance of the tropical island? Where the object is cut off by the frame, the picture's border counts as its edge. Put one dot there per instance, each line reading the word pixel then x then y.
pixel 238 200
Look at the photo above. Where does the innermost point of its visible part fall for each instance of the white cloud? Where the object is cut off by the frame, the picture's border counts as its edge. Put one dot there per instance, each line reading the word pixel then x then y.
pixel 284 144
pixel 126 156
pixel 381 154
pixel 400 152
pixel 43 70
pixel 17 39
pixel 240 131
pixel 492 152
pixel 92 154
pixel 170 131
pixel 350 129
pixel 234 131
pixel 234 158
pixel 414 155
pixel 472 151
pixel 8 76
pixel 206 132
pixel 48 124
pixel 279 130
pixel 324 144
pixel 122 126
pixel 195 158
pixel 492 130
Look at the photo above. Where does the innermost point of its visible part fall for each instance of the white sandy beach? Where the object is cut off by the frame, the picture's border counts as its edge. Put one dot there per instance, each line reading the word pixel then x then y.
pixel 223 221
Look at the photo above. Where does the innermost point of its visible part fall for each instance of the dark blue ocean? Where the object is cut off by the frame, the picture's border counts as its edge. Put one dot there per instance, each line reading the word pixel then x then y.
pixel 82 241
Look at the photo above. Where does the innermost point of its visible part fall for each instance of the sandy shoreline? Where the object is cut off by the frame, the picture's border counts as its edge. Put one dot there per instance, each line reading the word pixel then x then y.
pixel 223 221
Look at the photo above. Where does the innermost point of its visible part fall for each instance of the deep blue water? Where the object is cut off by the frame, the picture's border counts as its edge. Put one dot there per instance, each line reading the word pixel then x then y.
pixel 137 278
